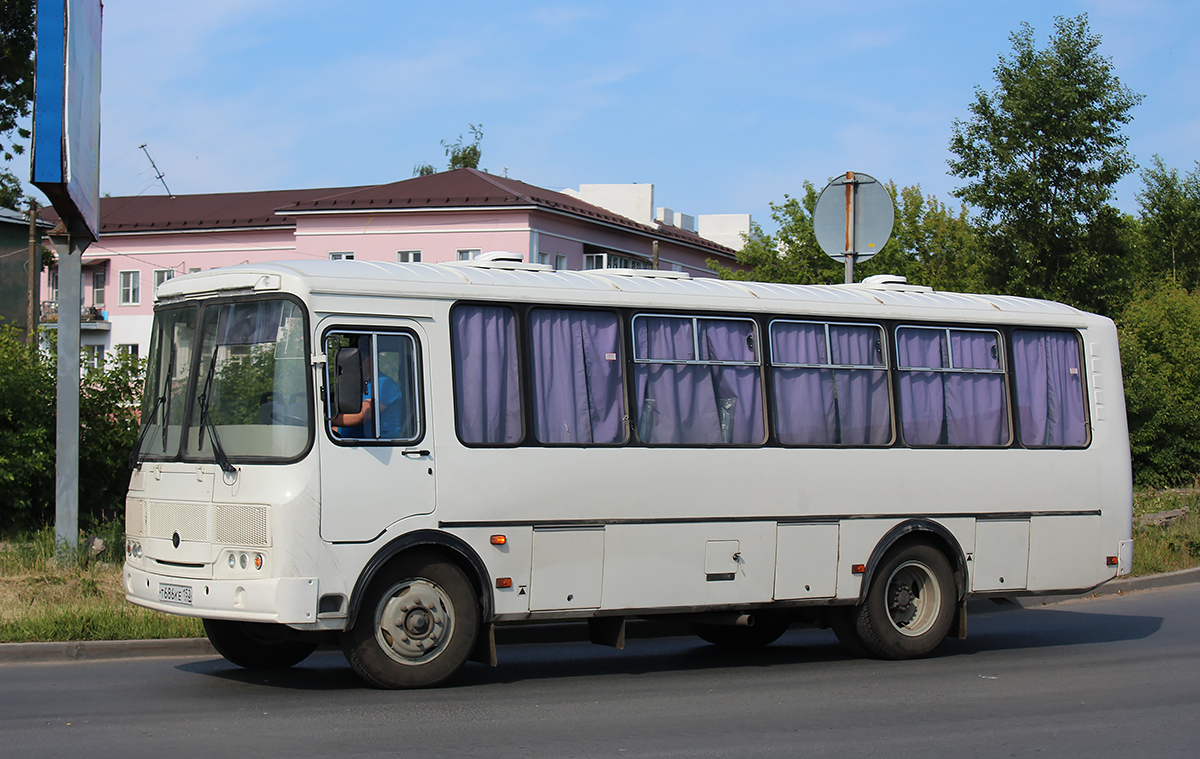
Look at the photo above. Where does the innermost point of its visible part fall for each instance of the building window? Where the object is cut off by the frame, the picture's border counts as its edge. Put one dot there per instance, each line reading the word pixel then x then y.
pixel 98 289
pixel 560 262
pixel 93 356
pixel 162 275
pixel 129 349
pixel 468 254
pixel 130 287
pixel 612 261
pixel 342 255
pixel 53 287
pixel 193 271
pixel 408 256
pixel 543 258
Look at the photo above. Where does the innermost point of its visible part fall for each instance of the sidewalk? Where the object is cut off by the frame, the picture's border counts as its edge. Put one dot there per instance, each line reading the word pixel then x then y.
pixel 11 653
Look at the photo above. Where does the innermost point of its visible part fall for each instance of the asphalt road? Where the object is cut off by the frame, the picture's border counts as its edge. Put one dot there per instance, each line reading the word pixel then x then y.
pixel 1116 676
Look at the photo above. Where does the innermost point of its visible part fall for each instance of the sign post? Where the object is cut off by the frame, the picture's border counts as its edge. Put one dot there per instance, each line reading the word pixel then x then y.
pixel 66 166
pixel 853 219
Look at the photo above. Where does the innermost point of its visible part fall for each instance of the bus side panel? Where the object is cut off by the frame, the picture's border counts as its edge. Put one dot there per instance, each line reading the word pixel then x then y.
pixel 806 561
pixel 669 565
pixel 1065 553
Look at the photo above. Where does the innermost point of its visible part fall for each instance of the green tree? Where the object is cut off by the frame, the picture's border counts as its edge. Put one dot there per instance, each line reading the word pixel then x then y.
pixel 460 154
pixel 12 196
pixel 1041 153
pixel 26 433
pixel 17 44
pixel 108 402
pixel 930 245
pixel 1171 223
pixel 1160 360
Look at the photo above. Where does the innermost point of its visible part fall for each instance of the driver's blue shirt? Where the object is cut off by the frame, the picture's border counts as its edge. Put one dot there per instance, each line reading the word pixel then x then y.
pixel 390 412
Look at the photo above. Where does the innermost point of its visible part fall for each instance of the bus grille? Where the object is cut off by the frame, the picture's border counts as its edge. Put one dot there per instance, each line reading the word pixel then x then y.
pixel 240 525
pixel 225 524
pixel 135 516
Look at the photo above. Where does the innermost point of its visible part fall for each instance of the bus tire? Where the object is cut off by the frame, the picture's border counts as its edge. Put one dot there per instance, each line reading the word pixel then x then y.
pixel 417 624
pixel 767 629
pixel 910 604
pixel 257 645
pixel 843 620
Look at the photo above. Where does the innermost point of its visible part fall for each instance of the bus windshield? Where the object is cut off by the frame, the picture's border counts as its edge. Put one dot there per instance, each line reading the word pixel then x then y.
pixel 226 381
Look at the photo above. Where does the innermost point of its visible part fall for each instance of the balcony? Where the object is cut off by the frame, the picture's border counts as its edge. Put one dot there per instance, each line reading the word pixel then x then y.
pixel 91 318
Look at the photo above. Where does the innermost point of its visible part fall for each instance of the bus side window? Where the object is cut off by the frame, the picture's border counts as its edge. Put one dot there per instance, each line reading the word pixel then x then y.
pixel 374 389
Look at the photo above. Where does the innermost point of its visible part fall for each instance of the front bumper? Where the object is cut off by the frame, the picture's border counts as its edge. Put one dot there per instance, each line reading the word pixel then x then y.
pixel 285 600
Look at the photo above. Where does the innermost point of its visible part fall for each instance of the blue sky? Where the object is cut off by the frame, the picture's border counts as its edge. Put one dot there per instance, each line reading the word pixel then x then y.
pixel 724 107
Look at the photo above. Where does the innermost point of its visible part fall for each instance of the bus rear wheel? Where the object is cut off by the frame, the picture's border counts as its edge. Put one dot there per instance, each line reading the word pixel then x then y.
pixel 910 604
pixel 417 625
pixel 257 645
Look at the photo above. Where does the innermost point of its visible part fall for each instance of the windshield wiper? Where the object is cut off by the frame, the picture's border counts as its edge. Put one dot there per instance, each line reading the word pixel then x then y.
pixel 207 424
pixel 137 447
pixel 166 396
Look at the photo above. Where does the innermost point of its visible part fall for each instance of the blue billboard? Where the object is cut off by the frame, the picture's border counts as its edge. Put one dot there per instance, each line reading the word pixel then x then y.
pixel 66 111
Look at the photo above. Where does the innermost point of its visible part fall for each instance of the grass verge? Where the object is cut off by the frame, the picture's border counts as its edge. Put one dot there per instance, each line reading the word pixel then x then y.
pixel 82 598
pixel 1171 548
pixel 43 599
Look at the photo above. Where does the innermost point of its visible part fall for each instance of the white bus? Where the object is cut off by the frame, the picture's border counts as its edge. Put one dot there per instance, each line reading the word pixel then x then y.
pixel 401 457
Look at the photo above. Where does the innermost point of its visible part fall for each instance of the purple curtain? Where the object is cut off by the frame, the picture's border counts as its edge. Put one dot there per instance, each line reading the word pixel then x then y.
pixel 1049 387
pixel 922 394
pixel 696 404
pixel 864 412
pixel 950 407
pixel 487 393
pixel 975 409
pixel 578 394
pixel 804 397
pixel 738 388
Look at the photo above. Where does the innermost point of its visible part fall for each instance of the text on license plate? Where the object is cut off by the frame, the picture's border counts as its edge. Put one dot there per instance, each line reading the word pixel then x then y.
pixel 175 594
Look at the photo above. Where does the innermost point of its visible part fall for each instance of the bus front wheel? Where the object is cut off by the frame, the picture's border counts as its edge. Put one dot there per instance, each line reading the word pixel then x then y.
pixel 417 624
pixel 257 645
pixel 909 606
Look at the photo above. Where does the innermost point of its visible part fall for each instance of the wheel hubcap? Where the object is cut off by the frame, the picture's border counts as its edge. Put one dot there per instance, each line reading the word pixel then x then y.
pixel 914 598
pixel 415 621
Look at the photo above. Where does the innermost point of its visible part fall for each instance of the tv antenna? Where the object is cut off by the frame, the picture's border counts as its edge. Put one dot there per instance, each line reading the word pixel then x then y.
pixel 157 173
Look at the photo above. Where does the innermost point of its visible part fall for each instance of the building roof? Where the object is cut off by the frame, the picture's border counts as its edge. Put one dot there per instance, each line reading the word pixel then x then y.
pixel 457 189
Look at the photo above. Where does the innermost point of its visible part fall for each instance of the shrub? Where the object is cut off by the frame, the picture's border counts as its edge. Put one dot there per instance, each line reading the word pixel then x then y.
pixel 1160 358
pixel 108 403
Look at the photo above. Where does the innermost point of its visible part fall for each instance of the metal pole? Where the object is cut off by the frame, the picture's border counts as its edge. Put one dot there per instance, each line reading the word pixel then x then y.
pixel 850 254
pixel 66 491
pixel 35 269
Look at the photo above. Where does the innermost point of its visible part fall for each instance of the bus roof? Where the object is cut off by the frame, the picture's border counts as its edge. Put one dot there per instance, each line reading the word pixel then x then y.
pixel 520 282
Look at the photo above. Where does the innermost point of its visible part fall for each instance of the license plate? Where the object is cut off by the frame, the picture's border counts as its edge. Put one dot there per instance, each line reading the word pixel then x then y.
pixel 175 594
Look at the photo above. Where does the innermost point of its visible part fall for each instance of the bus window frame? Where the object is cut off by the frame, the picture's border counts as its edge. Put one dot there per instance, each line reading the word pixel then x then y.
pixel 418 378
pixel 194 380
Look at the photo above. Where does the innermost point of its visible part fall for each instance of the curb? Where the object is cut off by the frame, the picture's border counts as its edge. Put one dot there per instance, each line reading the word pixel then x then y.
pixel 99 650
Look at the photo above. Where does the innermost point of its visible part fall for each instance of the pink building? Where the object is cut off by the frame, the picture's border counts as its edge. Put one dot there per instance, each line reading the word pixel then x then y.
pixel 453 215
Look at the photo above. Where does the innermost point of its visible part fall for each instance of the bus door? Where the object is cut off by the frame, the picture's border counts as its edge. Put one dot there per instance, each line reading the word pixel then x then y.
pixel 376 464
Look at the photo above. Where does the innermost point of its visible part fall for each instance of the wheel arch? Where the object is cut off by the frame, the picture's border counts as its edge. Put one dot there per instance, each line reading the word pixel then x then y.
pixel 919 530
pixel 450 546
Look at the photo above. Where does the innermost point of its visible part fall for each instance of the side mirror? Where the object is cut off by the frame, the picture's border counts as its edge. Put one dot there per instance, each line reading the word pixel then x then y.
pixel 347 382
